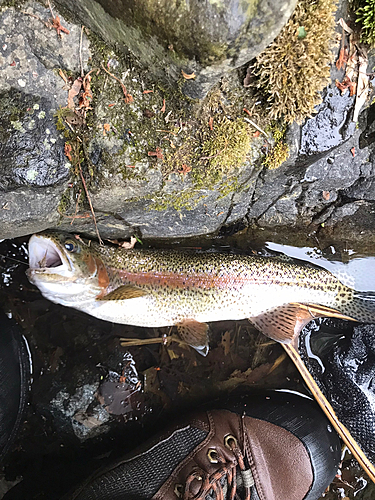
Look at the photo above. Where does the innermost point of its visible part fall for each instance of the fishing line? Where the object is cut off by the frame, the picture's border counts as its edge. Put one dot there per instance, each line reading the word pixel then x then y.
pixel 15 260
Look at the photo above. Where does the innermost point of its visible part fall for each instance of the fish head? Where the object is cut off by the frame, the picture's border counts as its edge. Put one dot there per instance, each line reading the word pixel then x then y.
pixel 66 270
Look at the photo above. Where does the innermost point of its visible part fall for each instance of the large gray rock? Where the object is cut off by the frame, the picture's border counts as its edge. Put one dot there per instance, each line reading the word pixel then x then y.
pixel 207 38
pixel 34 171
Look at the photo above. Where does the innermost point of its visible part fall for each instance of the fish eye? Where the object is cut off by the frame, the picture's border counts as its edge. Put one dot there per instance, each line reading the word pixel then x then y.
pixel 71 246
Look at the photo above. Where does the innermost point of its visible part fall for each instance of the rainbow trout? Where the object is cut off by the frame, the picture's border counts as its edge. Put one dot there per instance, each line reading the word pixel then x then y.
pixel 155 288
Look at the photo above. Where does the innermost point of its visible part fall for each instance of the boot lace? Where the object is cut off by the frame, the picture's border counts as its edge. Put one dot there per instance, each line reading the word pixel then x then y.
pixel 213 484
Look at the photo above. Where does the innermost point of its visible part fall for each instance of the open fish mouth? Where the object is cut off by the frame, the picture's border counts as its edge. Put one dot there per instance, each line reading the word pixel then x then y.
pixel 45 254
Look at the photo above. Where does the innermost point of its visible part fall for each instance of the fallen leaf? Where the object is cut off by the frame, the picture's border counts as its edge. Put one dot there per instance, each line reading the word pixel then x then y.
pixel 67 151
pixel 345 85
pixel 128 99
pixel 210 122
pixel 125 244
pixel 111 105
pixel 158 153
pixel 13 63
pixel 74 90
pixel 345 26
pixel 256 134
pixel 147 91
pixel 184 169
pixel 106 128
pixel 85 98
pixel 163 107
pixel 343 57
pixel 363 87
pixel 58 27
pixel 187 76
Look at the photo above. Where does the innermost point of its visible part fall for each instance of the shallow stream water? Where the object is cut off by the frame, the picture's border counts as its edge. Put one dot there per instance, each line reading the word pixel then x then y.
pixel 92 399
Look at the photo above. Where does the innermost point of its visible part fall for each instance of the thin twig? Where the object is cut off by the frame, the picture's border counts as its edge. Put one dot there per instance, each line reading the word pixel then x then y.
pixel 158 340
pixel 80 51
pixel 256 126
pixel 118 79
pixel 85 216
pixel 348 439
pixel 77 202
pixel 91 207
pixel 50 8
pixel 36 17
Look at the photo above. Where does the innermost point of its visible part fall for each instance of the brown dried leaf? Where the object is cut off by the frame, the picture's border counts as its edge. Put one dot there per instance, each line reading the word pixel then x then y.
pixel 187 76
pixel 58 27
pixel 158 153
pixel 67 151
pixel 106 128
pixel 345 85
pixel 75 89
pixel 184 169
pixel 125 244
pixel 343 57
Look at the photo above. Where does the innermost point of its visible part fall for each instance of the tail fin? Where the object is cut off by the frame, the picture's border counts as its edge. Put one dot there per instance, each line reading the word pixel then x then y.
pixel 361 307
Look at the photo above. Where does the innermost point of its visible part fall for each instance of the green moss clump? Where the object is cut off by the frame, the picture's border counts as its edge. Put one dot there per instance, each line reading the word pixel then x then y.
pixel 223 150
pixel 276 157
pixel 366 17
pixel 295 68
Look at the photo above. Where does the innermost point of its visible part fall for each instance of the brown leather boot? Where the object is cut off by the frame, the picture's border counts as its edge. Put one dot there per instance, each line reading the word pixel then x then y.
pixel 273 446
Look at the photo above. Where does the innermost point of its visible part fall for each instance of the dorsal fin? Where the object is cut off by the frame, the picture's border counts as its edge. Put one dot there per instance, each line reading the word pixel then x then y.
pixel 122 293
pixel 286 322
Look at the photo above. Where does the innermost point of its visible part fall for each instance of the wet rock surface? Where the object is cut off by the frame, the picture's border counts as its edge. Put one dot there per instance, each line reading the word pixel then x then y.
pixel 132 189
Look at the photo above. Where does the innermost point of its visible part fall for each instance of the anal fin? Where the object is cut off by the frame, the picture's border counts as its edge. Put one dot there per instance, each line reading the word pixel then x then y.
pixel 194 333
pixel 286 322
pixel 122 293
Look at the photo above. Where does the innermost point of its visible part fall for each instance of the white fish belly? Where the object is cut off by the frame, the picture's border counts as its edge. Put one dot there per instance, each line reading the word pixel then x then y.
pixel 167 309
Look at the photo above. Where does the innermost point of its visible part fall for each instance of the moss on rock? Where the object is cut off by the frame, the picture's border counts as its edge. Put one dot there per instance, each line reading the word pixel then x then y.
pixel 295 68
pixel 365 16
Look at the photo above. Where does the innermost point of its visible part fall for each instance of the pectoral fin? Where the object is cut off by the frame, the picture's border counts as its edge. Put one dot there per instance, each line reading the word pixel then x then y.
pixel 286 322
pixel 194 334
pixel 122 293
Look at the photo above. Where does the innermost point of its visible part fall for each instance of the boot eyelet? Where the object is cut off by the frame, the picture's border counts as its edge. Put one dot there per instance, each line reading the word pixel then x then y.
pixel 230 441
pixel 179 490
pixel 212 455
